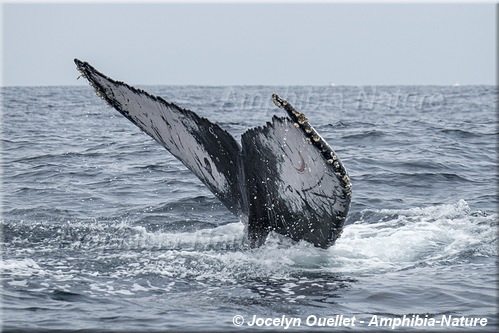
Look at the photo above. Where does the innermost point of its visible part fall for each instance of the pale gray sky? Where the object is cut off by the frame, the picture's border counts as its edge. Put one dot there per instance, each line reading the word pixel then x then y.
pixel 251 44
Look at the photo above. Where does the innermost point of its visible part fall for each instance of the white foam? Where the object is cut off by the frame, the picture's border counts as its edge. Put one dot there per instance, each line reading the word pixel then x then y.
pixel 138 287
pixel 226 236
pixel 414 236
pixel 395 240
pixel 21 283
pixel 382 241
pixel 20 267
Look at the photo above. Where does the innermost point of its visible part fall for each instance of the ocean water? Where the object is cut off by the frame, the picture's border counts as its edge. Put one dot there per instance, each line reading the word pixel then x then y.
pixel 104 230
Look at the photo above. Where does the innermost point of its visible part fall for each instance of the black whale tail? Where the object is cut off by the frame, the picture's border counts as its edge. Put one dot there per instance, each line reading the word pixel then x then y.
pixel 283 178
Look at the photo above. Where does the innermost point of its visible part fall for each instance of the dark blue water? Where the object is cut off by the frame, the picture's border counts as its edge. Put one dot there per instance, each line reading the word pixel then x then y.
pixel 104 230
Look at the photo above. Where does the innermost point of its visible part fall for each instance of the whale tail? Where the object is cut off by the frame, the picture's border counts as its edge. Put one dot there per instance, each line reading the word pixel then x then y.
pixel 283 177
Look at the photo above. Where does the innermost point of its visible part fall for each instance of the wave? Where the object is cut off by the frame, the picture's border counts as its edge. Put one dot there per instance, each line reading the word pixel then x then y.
pixel 402 239
pixel 377 241
pixel 462 134
pixel 368 134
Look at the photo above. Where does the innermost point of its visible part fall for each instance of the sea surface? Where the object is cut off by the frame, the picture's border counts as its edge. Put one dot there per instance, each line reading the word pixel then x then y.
pixel 104 230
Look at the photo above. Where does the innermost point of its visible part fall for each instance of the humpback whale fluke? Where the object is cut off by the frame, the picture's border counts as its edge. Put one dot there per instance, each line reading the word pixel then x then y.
pixel 283 177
